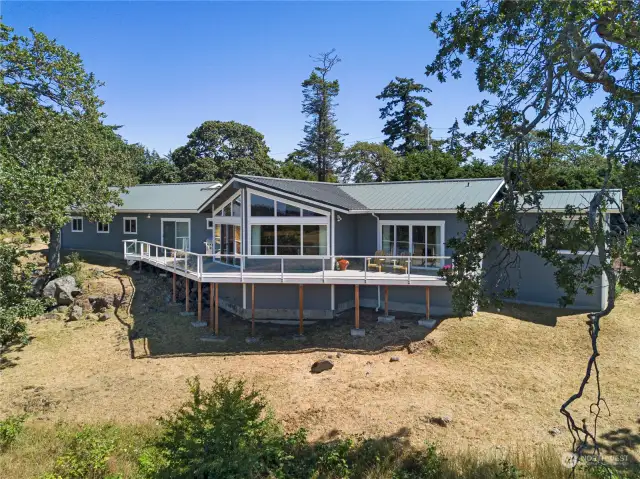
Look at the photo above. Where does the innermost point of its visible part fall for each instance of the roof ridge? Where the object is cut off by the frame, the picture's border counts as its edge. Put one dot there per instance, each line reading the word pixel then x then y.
pixel 419 181
pixel 290 179
pixel 576 191
pixel 179 183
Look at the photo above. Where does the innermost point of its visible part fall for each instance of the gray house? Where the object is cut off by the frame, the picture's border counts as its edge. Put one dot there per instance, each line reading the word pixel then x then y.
pixel 278 248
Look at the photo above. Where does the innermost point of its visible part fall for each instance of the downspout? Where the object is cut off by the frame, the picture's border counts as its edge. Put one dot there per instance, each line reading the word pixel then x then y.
pixel 377 246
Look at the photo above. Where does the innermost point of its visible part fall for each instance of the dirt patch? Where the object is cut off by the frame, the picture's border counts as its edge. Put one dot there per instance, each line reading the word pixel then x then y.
pixel 499 377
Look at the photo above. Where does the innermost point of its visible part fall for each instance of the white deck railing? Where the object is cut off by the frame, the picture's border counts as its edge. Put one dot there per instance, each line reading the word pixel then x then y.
pixel 289 268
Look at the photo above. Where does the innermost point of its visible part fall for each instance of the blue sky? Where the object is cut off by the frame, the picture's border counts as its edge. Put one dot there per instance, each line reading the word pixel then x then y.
pixel 169 66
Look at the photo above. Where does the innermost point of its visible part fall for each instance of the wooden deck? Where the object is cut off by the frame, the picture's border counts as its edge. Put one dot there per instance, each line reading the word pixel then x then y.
pixel 294 271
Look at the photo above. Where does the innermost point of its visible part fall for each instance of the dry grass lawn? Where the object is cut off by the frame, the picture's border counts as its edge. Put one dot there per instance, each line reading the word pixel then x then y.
pixel 501 376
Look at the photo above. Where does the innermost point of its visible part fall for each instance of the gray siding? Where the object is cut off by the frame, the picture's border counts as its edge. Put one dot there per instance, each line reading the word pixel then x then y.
pixel 149 229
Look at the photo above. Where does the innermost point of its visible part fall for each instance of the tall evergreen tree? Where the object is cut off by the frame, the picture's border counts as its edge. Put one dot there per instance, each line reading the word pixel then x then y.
pixel 455 145
pixel 405 115
pixel 322 143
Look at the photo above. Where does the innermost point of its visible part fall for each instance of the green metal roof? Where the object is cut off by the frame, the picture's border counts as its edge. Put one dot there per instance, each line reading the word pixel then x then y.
pixel 558 200
pixel 431 195
pixel 176 197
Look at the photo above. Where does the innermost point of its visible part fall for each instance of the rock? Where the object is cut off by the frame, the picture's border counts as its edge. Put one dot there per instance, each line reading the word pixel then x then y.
pixel 104 317
pixel 555 430
pixel 64 299
pixel 92 317
pixel 99 304
pixel 37 285
pixel 339 355
pixel 62 289
pixel 329 356
pixel 75 313
pixel 443 421
pixel 320 366
pixel 394 359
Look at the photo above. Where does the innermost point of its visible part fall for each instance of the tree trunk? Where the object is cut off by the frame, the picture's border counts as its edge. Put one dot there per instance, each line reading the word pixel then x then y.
pixel 55 244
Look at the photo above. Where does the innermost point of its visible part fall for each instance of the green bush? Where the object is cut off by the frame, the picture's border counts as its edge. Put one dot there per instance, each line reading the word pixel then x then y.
pixel 15 305
pixel 9 430
pixel 72 266
pixel 225 432
pixel 86 455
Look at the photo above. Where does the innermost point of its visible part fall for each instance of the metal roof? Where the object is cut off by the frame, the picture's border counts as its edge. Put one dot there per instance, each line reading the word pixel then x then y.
pixel 326 193
pixel 432 195
pixel 185 197
pixel 559 199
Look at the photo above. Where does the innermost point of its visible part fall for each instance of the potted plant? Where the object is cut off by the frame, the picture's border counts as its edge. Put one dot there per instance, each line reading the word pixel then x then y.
pixel 446 270
pixel 342 263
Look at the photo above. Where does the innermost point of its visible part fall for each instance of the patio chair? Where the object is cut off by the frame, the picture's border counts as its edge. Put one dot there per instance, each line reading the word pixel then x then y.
pixel 376 263
pixel 402 264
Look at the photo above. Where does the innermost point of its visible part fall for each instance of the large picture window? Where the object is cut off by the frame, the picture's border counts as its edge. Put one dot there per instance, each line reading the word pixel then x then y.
pixel 286 228
pixel 414 239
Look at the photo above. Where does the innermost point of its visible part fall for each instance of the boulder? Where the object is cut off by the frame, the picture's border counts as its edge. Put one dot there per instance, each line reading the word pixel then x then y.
pixel 62 289
pixel 99 304
pixel 37 285
pixel 394 359
pixel 443 421
pixel 320 366
pixel 75 313
pixel 104 317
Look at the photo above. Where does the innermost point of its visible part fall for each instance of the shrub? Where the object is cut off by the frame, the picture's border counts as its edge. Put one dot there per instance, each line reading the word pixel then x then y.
pixel 15 305
pixel 225 432
pixel 86 455
pixel 72 266
pixel 9 430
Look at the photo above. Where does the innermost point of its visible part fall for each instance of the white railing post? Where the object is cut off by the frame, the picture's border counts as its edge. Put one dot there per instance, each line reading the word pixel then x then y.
pixel 242 269
pixel 366 268
pixel 409 269
pixel 200 266
pixel 323 277
pixel 282 270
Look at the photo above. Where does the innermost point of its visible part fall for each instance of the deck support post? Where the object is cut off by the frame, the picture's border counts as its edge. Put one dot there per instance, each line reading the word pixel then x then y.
pixel 174 287
pixel 199 301
pixel 215 317
pixel 186 292
pixel 357 331
pixel 301 309
pixel 253 309
pixel 211 303
pixel 386 318
pixel 427 302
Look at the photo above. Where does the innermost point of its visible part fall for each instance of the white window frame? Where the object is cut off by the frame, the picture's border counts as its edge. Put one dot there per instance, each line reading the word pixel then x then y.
pixel 81 219
pixel 567 251
pixel 124 225
pixel 324 220
pixel 229 220
pixel 210 223
pixel 411 223
pixel 108 230
pixel 187 220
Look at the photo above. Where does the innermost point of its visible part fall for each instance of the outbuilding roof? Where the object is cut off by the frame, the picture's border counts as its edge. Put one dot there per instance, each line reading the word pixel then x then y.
pixel 175 197
pixel 431 195
pixel 558 200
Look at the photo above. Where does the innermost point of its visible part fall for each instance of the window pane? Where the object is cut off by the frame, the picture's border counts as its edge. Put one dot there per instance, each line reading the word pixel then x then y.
pixel 262 239
pixel 310 213
pixel 402 241
pixel 314 239
pixel 419 245
pixel 131 226
pixel 237 207
pixel 289 239
pixel 388 238
pixel 217 240
pixel 227 210
pixel 261 206
pixel 434 248
pixel 285 209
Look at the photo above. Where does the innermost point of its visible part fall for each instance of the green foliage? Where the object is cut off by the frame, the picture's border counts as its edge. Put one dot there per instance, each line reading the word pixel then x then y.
pixel 367 162
pixel 86 455
pixel 15 305
pixel 294 167
pixel 217 150
pixel 405 115
pixel 224 432
pixel 151 168
pixel 426 165
pixel 322 145
pixel 10 428
pixel 72 266
pixel 55 152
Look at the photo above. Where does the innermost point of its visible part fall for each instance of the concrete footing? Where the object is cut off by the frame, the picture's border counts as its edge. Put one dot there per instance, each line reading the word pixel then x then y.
pixel 427 323
pixel 358 332
pixel 214 339
pixel 252 339
pixel 299 337
pixel 187 313
pixel 199 324
pixel 386 319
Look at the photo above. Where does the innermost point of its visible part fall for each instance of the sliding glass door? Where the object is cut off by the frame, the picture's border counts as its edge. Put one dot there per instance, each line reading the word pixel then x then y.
pixel 176 233
pixel 417 239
